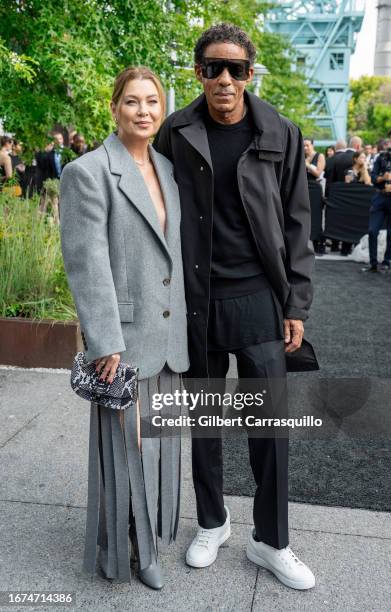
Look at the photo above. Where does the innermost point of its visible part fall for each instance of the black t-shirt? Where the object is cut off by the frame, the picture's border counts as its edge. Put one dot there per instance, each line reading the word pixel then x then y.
pixel 234 253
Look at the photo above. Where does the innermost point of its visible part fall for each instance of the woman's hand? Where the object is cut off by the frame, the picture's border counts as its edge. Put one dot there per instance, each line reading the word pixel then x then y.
pixel 107 366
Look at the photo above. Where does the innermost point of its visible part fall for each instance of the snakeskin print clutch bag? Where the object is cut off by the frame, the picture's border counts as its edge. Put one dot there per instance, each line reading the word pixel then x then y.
pixel 120 394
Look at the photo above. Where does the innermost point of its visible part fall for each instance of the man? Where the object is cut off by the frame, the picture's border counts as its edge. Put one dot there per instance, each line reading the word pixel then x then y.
pixel 370 156
pixel 245 234
pixel 336 173
pixel 49 162
pixel 345 161
pixel 380 208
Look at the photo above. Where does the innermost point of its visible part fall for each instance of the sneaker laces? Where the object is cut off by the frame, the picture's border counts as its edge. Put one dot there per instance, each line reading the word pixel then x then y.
pixel 293 556
pixel 203 537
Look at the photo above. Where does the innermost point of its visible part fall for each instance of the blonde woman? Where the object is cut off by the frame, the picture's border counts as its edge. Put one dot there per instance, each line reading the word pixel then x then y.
pixel 120 219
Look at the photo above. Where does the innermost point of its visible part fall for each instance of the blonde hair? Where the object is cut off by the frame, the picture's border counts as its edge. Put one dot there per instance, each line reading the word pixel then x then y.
pixel 137 72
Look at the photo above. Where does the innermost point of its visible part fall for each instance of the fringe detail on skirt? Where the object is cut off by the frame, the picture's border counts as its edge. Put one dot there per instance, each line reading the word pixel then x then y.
pixel 122 480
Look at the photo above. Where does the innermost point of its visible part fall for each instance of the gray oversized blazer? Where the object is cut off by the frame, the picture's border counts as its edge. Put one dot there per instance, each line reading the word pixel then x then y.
pixel 125 275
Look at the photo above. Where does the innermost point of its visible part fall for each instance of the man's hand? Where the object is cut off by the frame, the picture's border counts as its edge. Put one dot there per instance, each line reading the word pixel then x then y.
pixel 107 366
pixel 293 334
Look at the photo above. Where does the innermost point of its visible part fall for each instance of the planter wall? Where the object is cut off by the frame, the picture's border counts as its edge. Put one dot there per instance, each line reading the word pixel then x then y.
pixel 32 344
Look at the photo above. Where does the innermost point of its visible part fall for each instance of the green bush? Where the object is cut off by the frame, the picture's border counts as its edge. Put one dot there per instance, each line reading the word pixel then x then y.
pixel 33 283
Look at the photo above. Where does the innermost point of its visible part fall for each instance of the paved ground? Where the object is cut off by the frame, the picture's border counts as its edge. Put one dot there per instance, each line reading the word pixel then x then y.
pixel 43 488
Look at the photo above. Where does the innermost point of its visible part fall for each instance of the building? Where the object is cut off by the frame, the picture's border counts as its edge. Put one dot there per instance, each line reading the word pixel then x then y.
pixel 382 65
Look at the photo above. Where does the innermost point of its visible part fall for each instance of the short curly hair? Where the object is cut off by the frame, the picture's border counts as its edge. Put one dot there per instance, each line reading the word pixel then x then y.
pixel 224 32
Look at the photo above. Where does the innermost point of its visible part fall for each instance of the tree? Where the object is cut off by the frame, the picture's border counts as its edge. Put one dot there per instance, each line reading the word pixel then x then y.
pixel 69 52
pixel 369 113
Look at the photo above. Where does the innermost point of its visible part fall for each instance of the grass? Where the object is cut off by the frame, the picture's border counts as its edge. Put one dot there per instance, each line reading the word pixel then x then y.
pixel 33 282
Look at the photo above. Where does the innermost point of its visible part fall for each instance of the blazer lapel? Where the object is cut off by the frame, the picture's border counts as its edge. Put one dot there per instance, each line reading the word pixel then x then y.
pixel 171 199
pixel 132 184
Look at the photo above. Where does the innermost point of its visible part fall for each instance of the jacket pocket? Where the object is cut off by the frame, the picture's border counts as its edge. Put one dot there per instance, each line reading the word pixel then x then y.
pixel 126 311
pixel 273 156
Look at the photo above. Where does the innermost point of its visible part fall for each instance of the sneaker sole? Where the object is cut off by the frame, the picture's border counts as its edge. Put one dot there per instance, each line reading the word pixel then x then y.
pixel 293 584
pixel 212 559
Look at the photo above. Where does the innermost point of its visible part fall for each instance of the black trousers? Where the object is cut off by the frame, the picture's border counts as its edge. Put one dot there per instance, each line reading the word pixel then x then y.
pixel 268 456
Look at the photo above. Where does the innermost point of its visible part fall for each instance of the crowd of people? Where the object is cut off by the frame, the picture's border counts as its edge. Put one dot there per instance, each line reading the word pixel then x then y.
pixel 25 179
pixel 354 163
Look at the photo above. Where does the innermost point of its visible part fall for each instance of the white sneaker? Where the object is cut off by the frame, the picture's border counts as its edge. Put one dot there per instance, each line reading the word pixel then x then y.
pixel 282 562
pixel 205 546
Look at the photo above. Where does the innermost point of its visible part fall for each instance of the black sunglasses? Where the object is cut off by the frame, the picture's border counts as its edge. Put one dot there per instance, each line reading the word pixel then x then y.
pixel 239 69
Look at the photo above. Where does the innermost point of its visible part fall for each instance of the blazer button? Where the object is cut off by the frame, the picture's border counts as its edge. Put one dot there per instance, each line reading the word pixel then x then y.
pixel 201 218
pixel 201 168
pixel 196 266
pixel 166 282
pixel 166 314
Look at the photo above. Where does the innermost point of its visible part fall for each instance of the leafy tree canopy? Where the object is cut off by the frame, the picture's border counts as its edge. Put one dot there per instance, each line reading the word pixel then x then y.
pixel 369 114
pixel 59 58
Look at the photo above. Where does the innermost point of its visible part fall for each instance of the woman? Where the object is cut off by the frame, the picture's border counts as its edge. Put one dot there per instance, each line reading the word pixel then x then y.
pixel 315 164
pixel 359 171
pixel 330 151
pixel 314 161
pixel 5 160
pixel 120 218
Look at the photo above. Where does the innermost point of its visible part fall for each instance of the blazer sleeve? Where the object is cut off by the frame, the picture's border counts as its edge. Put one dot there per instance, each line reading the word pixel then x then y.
pixel 300 257
pixel 85 249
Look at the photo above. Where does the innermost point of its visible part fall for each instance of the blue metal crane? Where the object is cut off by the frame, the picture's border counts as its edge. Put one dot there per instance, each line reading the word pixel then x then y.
pixel 323 34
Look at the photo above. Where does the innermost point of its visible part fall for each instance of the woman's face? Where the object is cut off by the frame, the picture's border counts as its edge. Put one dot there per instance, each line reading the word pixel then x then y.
pixel 138 113
pixel 361 159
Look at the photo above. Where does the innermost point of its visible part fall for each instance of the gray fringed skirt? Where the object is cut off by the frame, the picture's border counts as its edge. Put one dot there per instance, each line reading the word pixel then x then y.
pixel 124 480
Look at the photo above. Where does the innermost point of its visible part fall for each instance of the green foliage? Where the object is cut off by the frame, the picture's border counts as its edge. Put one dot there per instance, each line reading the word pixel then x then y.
pixel 14 66
pixel 32 282
pixel 369 114
pixel 73 49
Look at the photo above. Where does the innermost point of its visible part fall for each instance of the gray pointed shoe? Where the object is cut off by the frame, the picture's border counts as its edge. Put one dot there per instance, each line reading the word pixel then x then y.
pixel 152 576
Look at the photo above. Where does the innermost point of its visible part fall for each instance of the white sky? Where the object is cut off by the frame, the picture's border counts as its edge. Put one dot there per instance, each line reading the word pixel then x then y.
pixel 361 61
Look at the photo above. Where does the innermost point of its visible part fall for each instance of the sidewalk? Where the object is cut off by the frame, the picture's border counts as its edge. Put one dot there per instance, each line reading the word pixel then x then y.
pixel 43 489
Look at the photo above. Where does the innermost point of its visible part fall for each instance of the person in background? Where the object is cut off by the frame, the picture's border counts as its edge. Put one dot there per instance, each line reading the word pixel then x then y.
pixel 380 208
pixel 330 151
pixel 314 162
pixel 71 135
pixel 78 145
pixel 359 172
pixel 344 161
pixel 16 159
pixel 369 156
pixel 5 159
pixel 340 147
pixel 49 162
pixel 335 173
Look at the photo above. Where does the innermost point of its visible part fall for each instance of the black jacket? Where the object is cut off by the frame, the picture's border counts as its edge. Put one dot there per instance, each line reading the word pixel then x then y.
pixel 381 166
pixel 340 163
pixel 273 187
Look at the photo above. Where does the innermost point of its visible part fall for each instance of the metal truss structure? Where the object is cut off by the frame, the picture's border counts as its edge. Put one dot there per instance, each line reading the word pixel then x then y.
pixel 323 34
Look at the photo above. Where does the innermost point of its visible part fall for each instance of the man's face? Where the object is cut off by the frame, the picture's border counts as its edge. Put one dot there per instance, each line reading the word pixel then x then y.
pixel 58 139
pixel 224 93
pixel 368 149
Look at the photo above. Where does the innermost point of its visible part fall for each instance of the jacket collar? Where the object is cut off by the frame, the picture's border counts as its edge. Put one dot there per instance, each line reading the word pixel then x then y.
pixel 269 132
pixel 132 184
